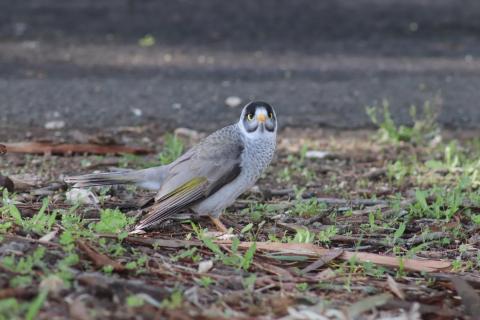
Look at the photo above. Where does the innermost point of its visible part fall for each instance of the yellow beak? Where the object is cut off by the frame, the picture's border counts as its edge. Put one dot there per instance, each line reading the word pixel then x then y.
pixel 261 118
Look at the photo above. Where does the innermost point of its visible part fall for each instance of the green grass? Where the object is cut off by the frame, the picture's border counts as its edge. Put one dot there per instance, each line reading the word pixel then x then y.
pixel 297 166
pixel 112 221
pixel 441 178
pixel 172 149
pixel 423 130
pixel 234 258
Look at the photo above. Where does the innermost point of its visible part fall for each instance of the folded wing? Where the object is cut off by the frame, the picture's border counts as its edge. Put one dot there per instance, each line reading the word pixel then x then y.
pixel 197 174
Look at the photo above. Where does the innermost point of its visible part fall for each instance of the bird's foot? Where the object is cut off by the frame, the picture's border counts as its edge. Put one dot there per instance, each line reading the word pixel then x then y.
pixel 219 225
pixel 223 233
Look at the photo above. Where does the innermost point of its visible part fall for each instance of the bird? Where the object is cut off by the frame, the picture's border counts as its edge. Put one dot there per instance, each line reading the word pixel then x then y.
pixel 207 178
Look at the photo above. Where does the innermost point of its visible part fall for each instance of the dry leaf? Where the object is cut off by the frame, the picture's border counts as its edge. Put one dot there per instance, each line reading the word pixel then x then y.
pixel 325 275
pixel 393 286
pixel 323 260
pixel 367 304
pixel 49 236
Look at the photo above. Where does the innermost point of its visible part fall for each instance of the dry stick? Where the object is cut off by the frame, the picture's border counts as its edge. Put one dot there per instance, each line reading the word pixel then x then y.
pixel 20 238
pixel 313 251
pixel 285 274
pixel 368 241
pixel 119 285
pixel 99 260
pixel 353 202
pixel 19 293
pixel 329 201
pixel 151 242
pixel 322 261
pixel 6 270
pixel 473 280
pixel 63 149
pixel 427 237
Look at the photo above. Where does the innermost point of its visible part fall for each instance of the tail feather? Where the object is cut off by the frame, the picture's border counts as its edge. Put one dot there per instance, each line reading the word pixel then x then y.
pixel 151 178
pixel 100 179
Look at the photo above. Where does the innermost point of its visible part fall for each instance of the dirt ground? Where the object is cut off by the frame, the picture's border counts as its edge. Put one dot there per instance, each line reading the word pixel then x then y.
pixel 345 224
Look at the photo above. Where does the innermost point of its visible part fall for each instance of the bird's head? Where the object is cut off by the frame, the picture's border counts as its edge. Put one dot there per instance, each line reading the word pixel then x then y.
pixel 258 118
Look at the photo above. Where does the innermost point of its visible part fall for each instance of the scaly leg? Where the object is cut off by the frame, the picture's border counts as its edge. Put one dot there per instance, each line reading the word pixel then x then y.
pixel 219 225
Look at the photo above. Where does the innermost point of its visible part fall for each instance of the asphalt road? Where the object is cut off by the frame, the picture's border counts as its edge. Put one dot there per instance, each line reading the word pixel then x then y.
pixel 320 63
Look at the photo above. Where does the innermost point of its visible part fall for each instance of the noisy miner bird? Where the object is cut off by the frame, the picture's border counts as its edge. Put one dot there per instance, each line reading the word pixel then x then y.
pixel 210 176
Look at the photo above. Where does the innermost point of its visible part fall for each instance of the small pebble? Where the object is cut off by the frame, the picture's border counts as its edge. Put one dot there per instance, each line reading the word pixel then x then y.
pixel 205 266
pixel 137 112
pixel 81 196
pixel 54 284
pixel 187 133
pixel 315 154
pixel 55 125
pixel 233 101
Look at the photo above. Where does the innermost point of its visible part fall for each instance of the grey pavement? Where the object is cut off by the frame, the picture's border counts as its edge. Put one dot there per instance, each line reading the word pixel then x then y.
pixel 320 63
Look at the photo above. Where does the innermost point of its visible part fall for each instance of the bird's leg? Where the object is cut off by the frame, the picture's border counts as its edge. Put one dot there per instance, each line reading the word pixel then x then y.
pixel 219 224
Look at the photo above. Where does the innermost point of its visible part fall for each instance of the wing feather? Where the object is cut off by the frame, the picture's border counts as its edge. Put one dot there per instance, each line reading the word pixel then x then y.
pixel 175 201
pixel 201 171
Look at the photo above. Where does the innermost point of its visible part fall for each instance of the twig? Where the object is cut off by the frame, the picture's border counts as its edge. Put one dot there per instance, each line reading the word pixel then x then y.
pixel 98 259
pixel 19 293
pixel 427 237
pixel 46 243
pixel 473 280
pixel 334 254
pixel 352 202
pixel 352 239
pixel 315 251
pixel 67 149
pixel 121 286
pixel 151 242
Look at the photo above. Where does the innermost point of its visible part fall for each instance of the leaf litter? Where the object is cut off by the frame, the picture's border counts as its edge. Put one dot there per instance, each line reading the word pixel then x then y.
pixel 369 229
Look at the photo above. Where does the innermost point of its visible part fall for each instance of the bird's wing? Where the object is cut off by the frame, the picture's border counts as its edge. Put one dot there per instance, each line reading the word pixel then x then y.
pixel 200 172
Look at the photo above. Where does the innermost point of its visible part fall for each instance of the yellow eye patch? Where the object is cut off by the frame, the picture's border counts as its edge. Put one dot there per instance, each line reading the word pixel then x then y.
pixel 250 117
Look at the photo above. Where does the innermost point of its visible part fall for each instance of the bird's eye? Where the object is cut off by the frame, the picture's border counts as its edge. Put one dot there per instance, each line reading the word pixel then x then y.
pixel 270 115
pixel 250 117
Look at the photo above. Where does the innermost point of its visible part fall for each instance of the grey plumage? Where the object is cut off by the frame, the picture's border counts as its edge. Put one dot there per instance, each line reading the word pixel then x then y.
pixel 211 175
pixel 151 178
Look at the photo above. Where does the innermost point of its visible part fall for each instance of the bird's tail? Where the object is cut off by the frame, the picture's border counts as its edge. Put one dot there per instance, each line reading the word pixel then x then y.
pixel 151 178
